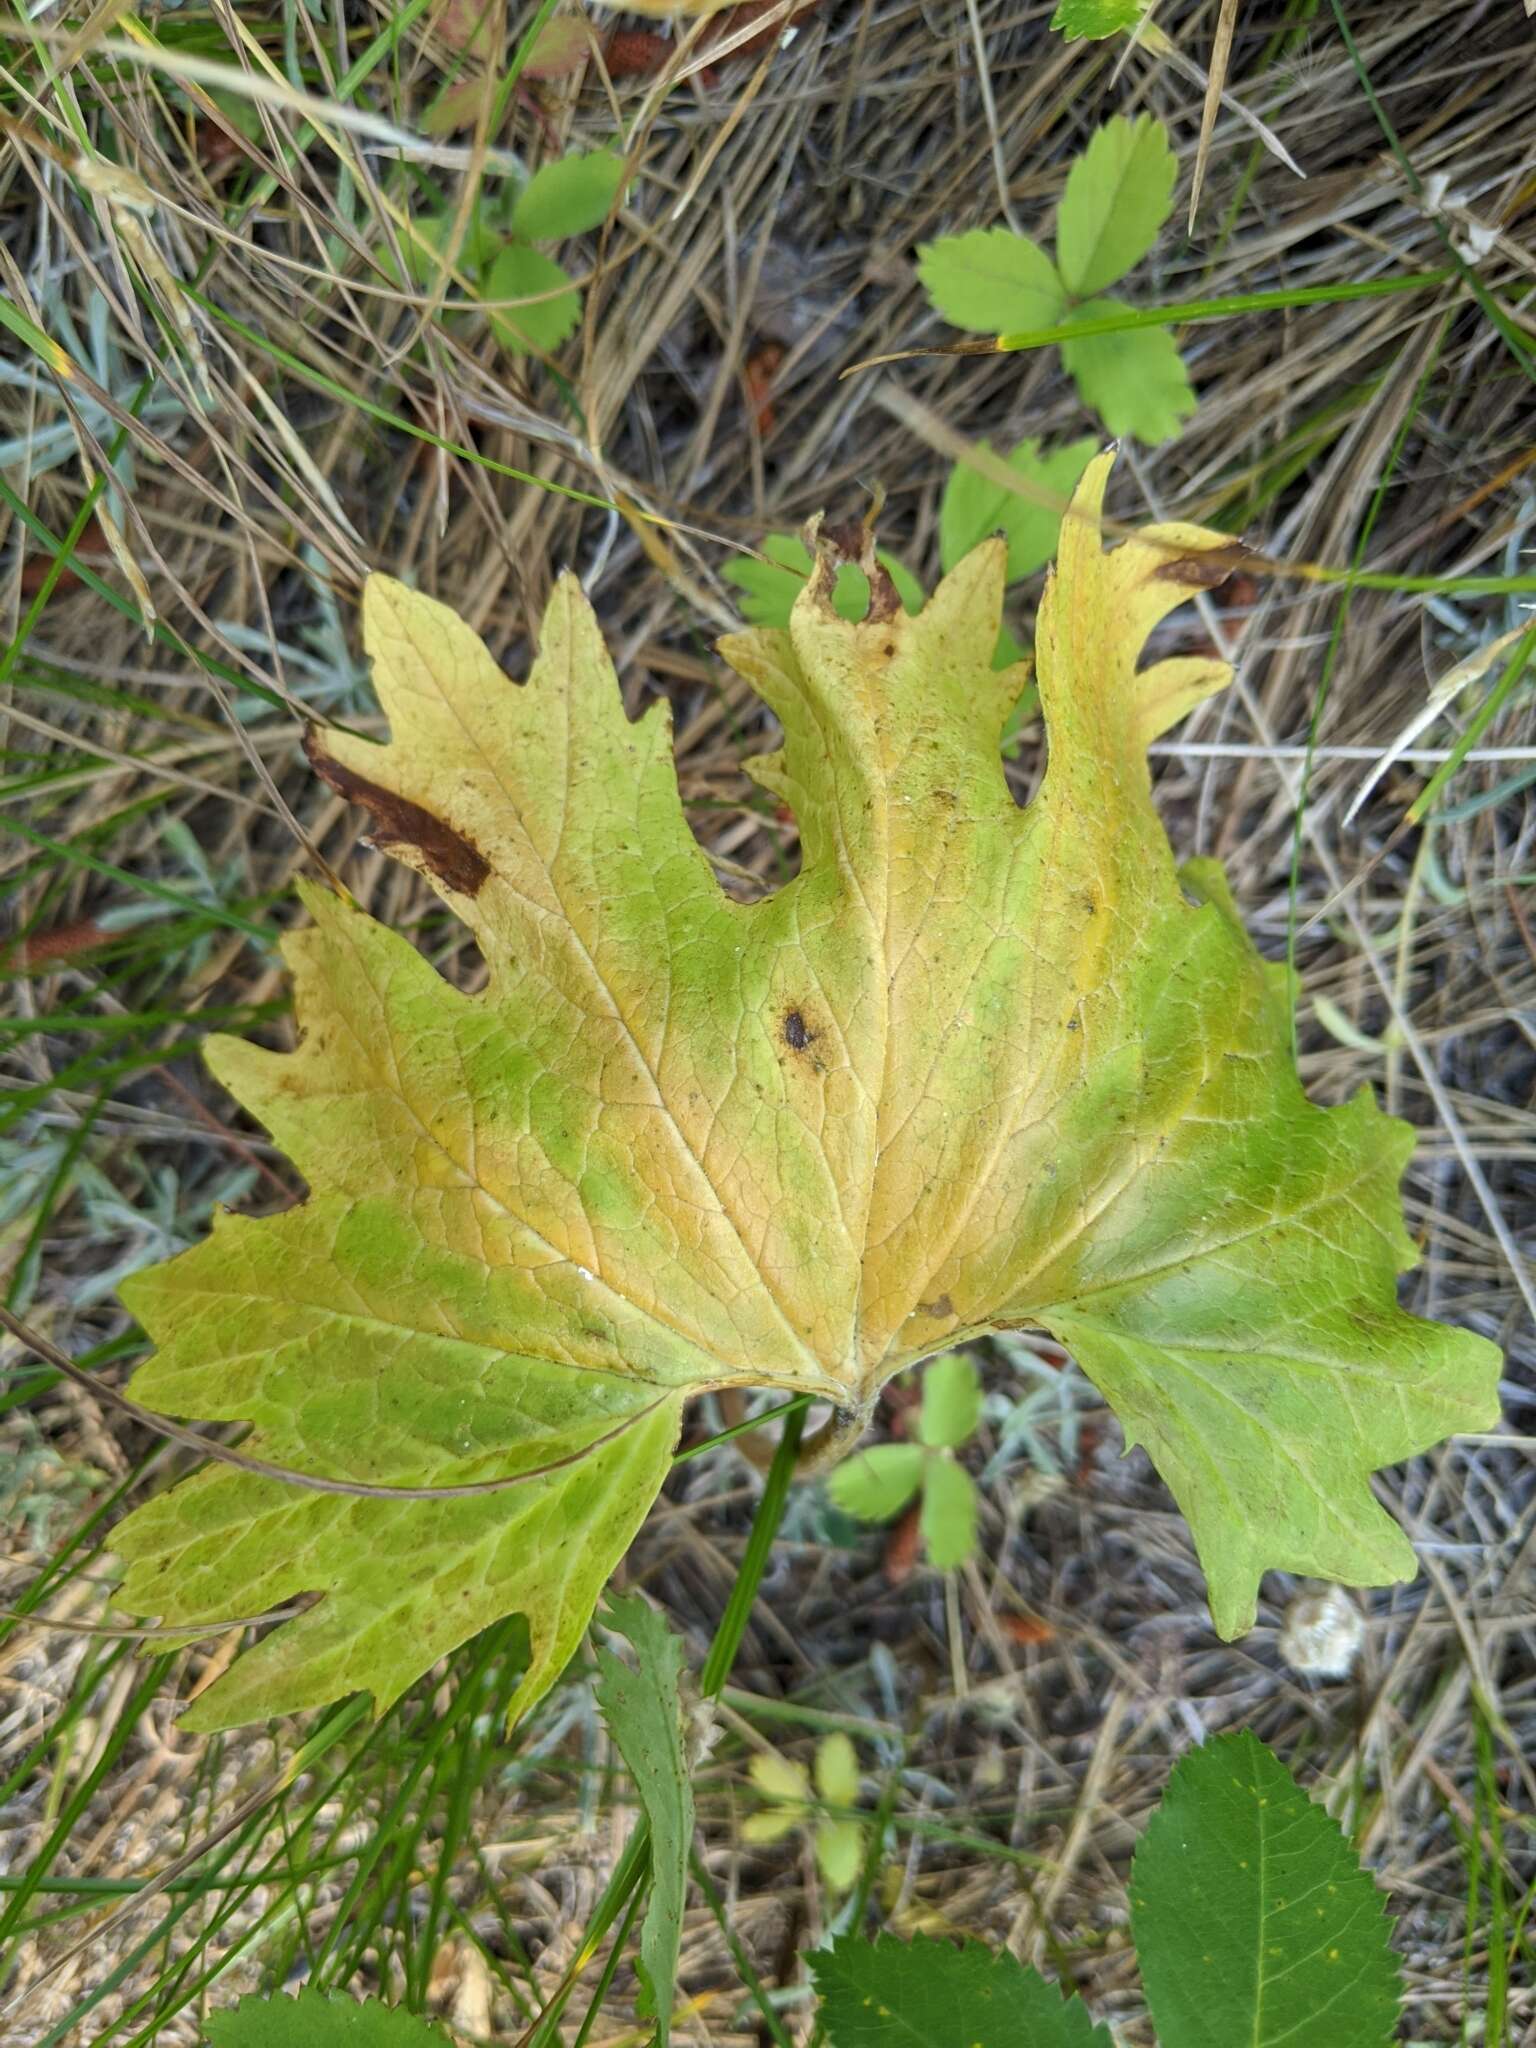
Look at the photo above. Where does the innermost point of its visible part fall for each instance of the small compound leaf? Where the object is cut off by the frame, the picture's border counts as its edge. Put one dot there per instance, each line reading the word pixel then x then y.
pixel 974 506
pixel 1135 381
pixel 770 588
pixel 1119 193
pixel 315 2020
pixel 949 1513
pixel 837 1770
pixel 1092 21
pixel 644 1712
pixel 931 1994
pixel 839 1852
pixel 547 313
pixel 875 1485
pixel 992 281
pixel 951 1402
pixel 1252 1918
pixel 568 197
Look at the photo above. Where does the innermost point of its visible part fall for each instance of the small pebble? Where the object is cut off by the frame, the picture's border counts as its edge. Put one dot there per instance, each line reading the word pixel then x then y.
pixel 1322 1633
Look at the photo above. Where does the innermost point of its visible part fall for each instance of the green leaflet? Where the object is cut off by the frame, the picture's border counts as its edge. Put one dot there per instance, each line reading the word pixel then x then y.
pixel 992 281
pixel 1094 20
pixel 974 1068
pixel 644 1712
pixel 974 507
pixel 1136 382
pixel 1119 193
pixel 568 196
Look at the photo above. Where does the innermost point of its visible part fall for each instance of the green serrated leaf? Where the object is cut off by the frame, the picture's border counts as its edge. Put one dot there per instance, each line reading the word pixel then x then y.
pixel 315 2020
pixel 568 197
pixel 875 1485
pixel 1252 1918
pixel 951 1402
pixel 770 588
pixel 644 1712
pixel 974 507
pixel 519 272
pixel 930 1994
pixel 1093 20
pixel 991 281
pixel 1136 381
pixel 949 1513
pixel 1119 193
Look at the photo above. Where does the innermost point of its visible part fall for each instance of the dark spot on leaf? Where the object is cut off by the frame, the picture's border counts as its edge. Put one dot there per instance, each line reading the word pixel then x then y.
pixel 455 861
pixel 795 1033
pixel 1204 571
pixel 942 1307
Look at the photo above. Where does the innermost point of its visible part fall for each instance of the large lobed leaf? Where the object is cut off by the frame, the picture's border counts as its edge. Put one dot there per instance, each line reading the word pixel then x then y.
pixel 975 1068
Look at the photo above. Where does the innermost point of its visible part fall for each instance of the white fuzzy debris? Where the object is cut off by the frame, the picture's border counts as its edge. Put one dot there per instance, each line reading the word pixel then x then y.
pixel 1322 1633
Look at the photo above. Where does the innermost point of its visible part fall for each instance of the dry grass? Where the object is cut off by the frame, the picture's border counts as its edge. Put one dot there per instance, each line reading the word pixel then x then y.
pixel 306 421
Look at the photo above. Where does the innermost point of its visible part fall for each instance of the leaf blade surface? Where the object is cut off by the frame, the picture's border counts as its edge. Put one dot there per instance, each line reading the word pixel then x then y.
pixel 1252 1920
pixel 974 1068
pixel 931 1994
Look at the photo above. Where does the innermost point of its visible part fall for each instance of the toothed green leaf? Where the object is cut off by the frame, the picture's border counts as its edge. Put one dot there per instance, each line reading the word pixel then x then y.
pixel 1119 193
pixel 1252 1918
pixel 1135 381
pixel 991 281
pixel 931 1994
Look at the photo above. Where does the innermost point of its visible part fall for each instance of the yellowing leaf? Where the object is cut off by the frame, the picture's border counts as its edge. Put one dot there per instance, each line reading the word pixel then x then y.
pixel 1119 193
pixel 777 1778
pixel 837 1770
pixel 839 1852
pixel 975 1068
pixel 991 281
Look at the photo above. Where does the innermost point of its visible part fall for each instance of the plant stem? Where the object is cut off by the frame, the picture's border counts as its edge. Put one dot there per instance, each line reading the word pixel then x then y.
pixel 634 1865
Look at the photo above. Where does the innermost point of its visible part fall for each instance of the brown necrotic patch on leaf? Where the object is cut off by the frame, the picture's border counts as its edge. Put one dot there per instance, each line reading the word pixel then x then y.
pixel 1205 571
pixel 400 824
